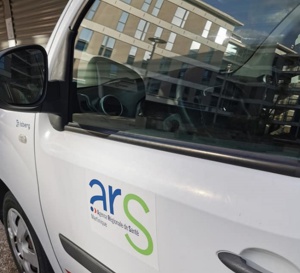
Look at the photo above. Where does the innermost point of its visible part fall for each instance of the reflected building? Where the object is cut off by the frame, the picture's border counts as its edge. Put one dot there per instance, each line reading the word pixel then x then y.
pixel 201 67
pixel 262 93
pixel 126 39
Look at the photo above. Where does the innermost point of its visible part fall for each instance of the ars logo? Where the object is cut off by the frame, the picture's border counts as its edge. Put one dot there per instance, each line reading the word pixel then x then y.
pixel 123 216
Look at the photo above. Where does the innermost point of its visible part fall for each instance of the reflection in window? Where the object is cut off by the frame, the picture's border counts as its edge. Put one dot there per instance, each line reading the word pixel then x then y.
pixel 126 1
pixel 122 21
pixel 183 69
pixel 92 11
pixel 180 17
pixel 208 56
pixel 107 46
pixel 194 49
pixel 206 29
pixel 244 91
pixel 146 5
pixel 84 39
pixel 231 50
pixel 142 30
pixel 221 36
pixel 2 63
pixel 164 65
pixel 206 76
pixel 131 56
pixel 158 32
pixel 157 7
pixel 171 41
pixel 146 59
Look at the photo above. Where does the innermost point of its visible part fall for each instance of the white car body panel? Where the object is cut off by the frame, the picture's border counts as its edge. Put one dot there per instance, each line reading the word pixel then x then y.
pixel 225 201
pixel 18 170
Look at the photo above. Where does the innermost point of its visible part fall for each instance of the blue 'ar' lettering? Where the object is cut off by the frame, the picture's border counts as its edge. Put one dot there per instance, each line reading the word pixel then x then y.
pixel 112 195
pixel 98 197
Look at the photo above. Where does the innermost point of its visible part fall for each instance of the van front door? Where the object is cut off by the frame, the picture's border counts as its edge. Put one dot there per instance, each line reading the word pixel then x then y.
pixel 182 152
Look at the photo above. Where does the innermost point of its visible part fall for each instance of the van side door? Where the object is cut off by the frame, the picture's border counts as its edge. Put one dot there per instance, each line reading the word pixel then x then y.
pixel 181 152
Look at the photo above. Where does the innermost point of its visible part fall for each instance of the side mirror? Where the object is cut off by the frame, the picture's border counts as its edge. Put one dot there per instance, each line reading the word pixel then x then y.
pixel 23 76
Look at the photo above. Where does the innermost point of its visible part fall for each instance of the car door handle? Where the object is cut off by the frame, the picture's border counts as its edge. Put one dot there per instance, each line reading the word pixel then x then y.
pixel 236 263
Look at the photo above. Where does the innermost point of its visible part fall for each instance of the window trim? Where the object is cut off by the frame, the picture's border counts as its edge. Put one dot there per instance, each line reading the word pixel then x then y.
pixel 252 160
pixel 60 115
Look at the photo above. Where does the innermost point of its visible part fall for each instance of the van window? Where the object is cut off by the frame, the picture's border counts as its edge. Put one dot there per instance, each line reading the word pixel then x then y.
pixel 206 72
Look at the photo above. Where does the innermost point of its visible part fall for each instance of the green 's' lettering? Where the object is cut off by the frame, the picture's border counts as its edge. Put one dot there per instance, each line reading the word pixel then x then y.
pixel 149 249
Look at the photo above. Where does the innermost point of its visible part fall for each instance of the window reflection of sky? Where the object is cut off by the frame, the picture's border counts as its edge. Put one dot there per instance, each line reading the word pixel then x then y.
pixel 259 17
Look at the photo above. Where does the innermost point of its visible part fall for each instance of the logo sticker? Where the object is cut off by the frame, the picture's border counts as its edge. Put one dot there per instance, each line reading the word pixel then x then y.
pixel 124 215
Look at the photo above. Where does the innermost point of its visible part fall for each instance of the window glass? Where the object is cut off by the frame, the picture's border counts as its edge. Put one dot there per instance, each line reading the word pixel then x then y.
pixel 84 38
pixel 107 46
pixel 132 54
pixel 157 7
pixel 171 41
pixel 221 36
pixel 180 17
pixel 158 32
pixel 227 76
pixel 194 49
pixel 146 5
pixel 206 29
pixel 122 21
pixel 147 56
pixel 141 30
pixel 92 11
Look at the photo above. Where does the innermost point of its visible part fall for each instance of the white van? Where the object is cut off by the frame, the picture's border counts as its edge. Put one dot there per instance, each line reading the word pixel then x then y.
pixel 155 136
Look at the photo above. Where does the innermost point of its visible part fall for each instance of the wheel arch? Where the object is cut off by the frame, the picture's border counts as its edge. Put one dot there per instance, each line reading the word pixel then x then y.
pixel 3 190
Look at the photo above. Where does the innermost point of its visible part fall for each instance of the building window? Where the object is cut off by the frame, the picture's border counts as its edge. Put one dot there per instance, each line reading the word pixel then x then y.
pixel 171 40
pixel 231 50
pixel 180 17
pixel 206 29
pixel 107 46
pixel 183 69
pixel 208 56
pixel 157 7
pixel 127 1
pixel 158 32
pixel 146 5
pixel 194 49
pixel 164 65
pixel 146 59
pixel 141 30
pixel 122 21
pixel 206 76
pixel 185 94
pixel 81 45
pixel 84 38
pixel 221 36
pixel 92 11
pixel 132 54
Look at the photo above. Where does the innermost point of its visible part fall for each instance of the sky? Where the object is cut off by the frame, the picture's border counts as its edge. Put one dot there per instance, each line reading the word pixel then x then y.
pixel 259 17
